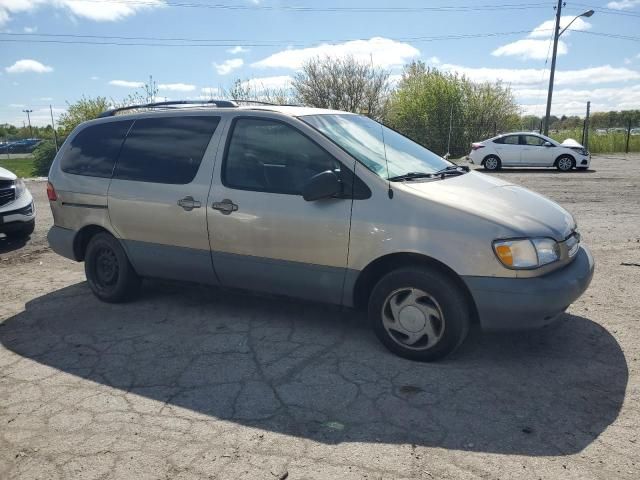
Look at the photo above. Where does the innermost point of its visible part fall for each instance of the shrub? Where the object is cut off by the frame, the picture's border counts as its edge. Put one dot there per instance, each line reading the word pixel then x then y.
pixel 43 156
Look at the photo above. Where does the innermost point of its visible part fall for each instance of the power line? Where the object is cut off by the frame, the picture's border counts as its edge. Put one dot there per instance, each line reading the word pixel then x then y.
pixel 304 9
pixel 242 42
pixel 73 39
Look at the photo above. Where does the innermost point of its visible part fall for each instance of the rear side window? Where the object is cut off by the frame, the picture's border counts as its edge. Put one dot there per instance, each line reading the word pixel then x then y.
pixel 165 150
pixel 510 140
pixel 94 150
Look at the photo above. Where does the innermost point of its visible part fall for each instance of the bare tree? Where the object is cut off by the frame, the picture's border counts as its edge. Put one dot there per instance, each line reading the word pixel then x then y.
pixel 251 90
pixel 343 84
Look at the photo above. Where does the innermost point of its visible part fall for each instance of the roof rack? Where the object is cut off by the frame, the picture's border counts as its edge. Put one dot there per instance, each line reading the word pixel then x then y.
pixel 217 103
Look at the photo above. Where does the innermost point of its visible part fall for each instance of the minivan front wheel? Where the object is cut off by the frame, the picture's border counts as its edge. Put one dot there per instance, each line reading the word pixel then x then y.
pixel 419 314
pixel 109 273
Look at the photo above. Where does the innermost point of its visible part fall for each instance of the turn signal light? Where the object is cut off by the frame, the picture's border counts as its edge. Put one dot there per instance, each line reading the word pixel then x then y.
pixel 505 255
pixel 51 193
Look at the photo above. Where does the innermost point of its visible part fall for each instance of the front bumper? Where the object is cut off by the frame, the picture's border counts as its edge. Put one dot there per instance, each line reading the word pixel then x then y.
pixel 524 303
pixel 18 218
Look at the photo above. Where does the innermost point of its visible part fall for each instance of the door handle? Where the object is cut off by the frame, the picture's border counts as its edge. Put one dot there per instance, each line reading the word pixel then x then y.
pixel 188 203
pixel 226 206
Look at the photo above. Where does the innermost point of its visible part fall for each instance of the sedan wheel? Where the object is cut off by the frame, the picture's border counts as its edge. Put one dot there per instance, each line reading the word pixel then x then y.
pixel 565 164
pixel 492 163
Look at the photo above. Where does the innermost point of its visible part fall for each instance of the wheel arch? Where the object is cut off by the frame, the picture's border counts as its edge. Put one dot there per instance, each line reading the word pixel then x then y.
pixel 379 267
pixel 82 238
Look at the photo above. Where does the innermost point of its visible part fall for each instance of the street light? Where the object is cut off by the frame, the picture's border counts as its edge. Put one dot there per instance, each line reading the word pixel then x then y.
pixel 556 36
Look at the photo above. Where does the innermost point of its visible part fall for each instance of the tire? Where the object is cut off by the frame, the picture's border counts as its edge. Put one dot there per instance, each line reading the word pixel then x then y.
pixel 436 314
pixel 22 233
pixel 492 163
pixel 109 272
pixel 565 163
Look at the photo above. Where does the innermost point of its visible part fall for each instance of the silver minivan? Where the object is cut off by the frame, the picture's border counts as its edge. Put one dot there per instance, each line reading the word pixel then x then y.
pixel 316 204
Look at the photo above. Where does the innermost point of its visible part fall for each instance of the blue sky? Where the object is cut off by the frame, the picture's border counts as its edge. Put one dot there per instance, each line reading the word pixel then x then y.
pixel 265 41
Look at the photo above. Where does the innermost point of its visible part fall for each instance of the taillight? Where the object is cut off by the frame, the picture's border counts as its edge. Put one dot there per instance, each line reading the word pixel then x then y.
pixel 476 146
pixel 51 192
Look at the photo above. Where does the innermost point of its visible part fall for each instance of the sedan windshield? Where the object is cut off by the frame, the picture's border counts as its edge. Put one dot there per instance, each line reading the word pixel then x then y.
pixel 376 146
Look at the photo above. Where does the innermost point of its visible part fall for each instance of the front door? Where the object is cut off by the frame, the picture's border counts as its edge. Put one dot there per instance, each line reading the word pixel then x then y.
pixel 158 196
pixel 264 235
pixel 534 153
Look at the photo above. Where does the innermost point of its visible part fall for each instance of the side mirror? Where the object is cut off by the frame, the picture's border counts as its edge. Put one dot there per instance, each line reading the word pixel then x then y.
pixel 547 144
pixel 321 185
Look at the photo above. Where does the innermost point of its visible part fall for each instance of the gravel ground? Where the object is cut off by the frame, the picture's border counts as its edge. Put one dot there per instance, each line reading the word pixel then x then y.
pixel 192 382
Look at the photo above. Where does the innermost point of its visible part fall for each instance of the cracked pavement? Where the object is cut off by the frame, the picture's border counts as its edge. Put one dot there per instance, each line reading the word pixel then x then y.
pixel 194 382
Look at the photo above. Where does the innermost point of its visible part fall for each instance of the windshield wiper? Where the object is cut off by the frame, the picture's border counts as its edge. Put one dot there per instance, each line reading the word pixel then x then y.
pixel 453 170
pixel 410 176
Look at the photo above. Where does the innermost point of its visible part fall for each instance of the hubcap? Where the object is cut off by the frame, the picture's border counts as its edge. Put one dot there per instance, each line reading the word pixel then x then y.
pixel 413 318
pixel 564 163
pixel 491 163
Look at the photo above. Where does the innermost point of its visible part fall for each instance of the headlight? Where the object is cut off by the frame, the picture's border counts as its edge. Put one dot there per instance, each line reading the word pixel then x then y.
pixel 20 188
pixel 527 252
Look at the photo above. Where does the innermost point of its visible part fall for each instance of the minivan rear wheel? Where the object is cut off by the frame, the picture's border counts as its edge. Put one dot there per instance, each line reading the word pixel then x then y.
pixel 108 270
pixel 419 314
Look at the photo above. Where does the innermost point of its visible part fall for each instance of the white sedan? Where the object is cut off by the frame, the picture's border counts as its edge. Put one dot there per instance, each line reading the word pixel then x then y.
pixel 526 149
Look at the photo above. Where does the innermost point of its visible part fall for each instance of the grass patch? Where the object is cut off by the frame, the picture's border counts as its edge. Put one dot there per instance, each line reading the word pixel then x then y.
pixel 22 166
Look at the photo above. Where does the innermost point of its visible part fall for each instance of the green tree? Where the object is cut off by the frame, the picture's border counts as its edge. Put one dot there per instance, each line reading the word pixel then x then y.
pixel 445 112
pixel 84 109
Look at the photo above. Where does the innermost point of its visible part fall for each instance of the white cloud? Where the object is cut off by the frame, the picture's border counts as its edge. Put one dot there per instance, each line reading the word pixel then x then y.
pixel 537 44
pixel 177 87
pixel 623 4
pixel 570 101
pixel 30 29
pixel 126 84
pixel 268 83
pixel 100 11
pixel 28 65
pixel 528 48
pixel 534 76
pixel 237 50
pixel 228 66
pixel 627 61
pixel 17 105
pixel 45 99
pixel 94 77
pixel 383 52
pixel 433 60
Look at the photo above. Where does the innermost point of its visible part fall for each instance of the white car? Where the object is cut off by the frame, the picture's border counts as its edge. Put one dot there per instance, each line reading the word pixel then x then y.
pixel 17 212
pixel 527 149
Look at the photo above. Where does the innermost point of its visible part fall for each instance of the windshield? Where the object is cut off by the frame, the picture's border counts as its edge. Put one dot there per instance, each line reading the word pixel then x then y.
pixel 368 141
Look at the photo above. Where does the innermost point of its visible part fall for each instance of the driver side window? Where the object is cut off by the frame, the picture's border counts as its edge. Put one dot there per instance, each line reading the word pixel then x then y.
pixel 269 156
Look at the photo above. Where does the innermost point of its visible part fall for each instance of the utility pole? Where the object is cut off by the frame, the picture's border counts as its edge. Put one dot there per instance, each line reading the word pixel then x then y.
pixel 53 125
pixel 626 148
pixel 29 120
pixel 556 36
pixel 586 127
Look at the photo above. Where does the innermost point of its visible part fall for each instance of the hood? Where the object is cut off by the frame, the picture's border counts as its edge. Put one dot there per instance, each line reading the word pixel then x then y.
pixel 6 174
pixel 571 143
pixel 523 211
